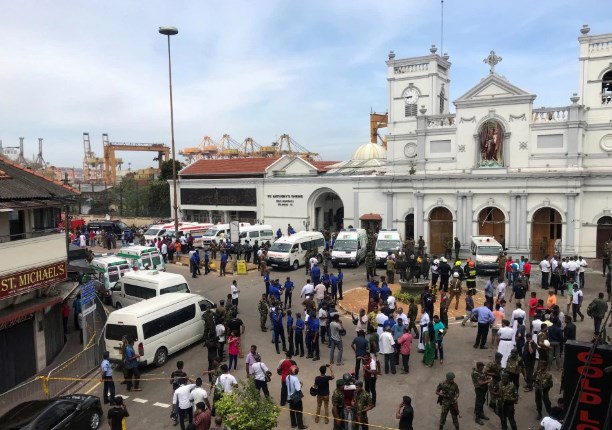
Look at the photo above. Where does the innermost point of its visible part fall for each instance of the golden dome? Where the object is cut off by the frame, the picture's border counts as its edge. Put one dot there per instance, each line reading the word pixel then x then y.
pixel 370 151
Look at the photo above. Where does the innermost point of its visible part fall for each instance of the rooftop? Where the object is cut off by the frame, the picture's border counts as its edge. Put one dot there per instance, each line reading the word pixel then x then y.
pixel 239 167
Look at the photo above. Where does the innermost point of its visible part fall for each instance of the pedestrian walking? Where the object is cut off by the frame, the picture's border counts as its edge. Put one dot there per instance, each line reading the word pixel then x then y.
pixel 362 403
pixel 507 398
pixel 577 298
pixel 321 383
pixel 235 292
pixel 387 349
pixel 542 382
pixel 295 395
pixel 405 343
pixel 131 364
pixel 336 332
pixel 371 370
pixel 261 376
pixel 108 388
pixel 405 414
pixel 76 306
pixel 181 404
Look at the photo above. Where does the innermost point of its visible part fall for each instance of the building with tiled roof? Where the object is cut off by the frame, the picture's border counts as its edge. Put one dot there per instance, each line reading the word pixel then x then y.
pixel 33 256
pixel 537 179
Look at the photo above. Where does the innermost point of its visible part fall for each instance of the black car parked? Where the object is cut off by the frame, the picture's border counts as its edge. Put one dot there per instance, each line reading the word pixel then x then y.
pixel 75 412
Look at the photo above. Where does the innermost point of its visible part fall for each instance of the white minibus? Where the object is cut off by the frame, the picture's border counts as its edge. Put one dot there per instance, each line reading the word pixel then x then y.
pixel 289 251
pixel 349 247
pixel 145 284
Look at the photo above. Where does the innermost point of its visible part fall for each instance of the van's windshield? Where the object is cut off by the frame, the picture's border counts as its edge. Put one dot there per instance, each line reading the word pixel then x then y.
pixel 489 250
pixel 211 232
pixel 345 245
pixel 280 247
pixel 181 288
pixel 387 245
pixel 113 274
pixel 117 331
pixel 152 232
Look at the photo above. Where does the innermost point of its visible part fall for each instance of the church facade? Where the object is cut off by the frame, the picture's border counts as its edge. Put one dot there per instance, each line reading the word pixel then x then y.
pixel 536 178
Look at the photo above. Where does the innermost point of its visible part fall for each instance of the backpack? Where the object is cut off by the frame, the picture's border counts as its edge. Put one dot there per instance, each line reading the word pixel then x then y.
pixel 591 309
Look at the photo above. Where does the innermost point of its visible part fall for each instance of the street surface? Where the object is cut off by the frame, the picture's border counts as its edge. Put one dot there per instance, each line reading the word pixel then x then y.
pixel 150 408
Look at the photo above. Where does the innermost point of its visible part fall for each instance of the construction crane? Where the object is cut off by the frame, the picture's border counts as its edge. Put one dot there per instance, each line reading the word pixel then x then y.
pixel 40 161
pixel 93 167
pixel 207 148
pixel 378 121
pixel 20 158
pixel 111 162
pixel 249 148
pixel 228 147
pixel 286 145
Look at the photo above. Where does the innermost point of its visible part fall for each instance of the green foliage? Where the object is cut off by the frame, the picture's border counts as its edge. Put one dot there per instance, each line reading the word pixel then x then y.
pixel 405 297
pixel 166 170
pixel 246 409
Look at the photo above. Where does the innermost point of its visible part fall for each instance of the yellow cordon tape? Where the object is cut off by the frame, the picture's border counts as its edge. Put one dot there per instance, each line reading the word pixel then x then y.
pixel 338 419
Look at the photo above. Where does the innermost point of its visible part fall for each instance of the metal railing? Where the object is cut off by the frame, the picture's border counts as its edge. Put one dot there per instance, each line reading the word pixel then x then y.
pixel 63 377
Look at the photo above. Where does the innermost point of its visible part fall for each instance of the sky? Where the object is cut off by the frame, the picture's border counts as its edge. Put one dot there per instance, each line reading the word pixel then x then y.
pixel 313 69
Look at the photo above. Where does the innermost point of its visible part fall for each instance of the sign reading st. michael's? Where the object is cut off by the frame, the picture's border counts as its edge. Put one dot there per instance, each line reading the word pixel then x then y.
pixel 17 283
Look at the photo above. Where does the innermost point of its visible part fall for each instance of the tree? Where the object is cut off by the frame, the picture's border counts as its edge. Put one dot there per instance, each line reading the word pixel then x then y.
pixel 246 409
pixel 165 173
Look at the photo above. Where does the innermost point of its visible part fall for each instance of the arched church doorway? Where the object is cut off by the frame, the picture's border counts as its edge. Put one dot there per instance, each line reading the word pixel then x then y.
pixel 545 231
pixel 409 227
pixel 328 212
pixel 491 222
pixel 604 233
pixel 440 228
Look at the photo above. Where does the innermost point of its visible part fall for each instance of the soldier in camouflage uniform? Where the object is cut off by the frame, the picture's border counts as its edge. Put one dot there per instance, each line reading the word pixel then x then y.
pixel 507 397
pixel 338 405
pixel 409 246
pixel 494 370
pixel 448 393
pixel 220 313
pixel 542 382
pixel 263 312
pixel 481 384
pixel 307 256
pixel 607 254
pixel 326 260
pixel 362 404
pixel 448 248
pixel 370 263
pixel 515 367
pixel 209 325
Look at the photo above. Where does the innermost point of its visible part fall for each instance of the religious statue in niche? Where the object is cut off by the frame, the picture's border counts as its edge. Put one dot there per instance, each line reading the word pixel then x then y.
pixel 491 144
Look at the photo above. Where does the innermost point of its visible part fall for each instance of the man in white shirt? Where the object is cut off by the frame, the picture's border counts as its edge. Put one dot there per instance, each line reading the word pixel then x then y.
pixel 313 262
pixel 582 265
pixel 552 422
pixel 423 326
pixel 545 268
pixel 402 315
pixel 380 319
pixel 501 289
pixel 235 293
pixel 220 331
pixel 387 349
pixel 577 298
pixel 164 251
pixel 181 396
pixel 225 382
pixel 199 394
pixel 319 293
pixel 391 303
pixel 259 373
pixel 516 314
pixel 307 290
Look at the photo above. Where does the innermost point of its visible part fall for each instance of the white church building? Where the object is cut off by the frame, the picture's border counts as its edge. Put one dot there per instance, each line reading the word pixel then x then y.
pixel 496 166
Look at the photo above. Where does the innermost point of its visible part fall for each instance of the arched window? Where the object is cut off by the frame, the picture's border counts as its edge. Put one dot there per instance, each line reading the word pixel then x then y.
pixel 606 88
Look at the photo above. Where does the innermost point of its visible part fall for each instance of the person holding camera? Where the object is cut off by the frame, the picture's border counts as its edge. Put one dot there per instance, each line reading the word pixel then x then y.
pixel 322 384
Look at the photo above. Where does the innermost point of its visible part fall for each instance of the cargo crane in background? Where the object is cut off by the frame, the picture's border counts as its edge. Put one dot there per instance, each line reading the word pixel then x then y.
pixel 93 167
pixel 111 162
pixel 206 149
pixel 40 161
pixel 378 121
pixel 285 145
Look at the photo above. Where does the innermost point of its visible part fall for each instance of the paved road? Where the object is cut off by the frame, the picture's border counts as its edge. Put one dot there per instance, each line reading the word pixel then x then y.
pixel 150 409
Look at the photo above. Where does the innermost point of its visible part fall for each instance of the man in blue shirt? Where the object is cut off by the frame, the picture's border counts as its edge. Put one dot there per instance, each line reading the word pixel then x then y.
pixel 299 334
pixel 288 287
pixel 485 319
pixel 266 280
pixel 315 274
pixel 340 279
pixel 290 331
pixel 194 262
pixel 385 291
pixel 397 330
pixel 131 364
pixel 107 378
pixel 206 262
pixel 313 327
pixel 333 280
pixel 279 331
pixel 489 291
pixel 374 291
pixel 222 263
pixel 275 290
pixel 360 345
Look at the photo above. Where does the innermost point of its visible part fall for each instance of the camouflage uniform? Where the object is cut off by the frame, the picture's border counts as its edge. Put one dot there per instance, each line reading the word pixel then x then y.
pixel 448 401
pixel 542 382
pixel 209 325
pixel 514 367
pixel 507 396
pixel 494 370
pixel 421 248
pixel 370 263
pixel 337 401
pixel 307 256
pixel 455 291
pixel 481 392
pixel 363 400
pixel 220 315
pixel 263 314
pixel 326 260
pixel 448 248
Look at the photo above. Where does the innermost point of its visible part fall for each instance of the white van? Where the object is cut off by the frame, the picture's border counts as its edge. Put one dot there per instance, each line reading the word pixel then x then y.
pixel 218 233
pixel 160 326
pixel 349 247
pixel 157 231
pixel 109 270
pixel 145 284
pixel 485 251
pixel 289 251
pixel 143 257
pixel 387 240
pixel 262 233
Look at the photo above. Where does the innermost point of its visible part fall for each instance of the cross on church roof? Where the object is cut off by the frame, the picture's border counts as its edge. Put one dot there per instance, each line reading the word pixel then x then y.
pixel 492 60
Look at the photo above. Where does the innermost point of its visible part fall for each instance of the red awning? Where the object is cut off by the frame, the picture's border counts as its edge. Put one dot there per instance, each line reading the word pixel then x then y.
pixel 370 217
pixel 31 306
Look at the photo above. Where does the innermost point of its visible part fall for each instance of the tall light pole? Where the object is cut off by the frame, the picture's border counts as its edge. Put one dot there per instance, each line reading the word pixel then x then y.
pixel 171 31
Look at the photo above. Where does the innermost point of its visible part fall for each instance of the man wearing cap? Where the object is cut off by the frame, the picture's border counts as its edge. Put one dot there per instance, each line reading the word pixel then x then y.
pixel 362 403
pixel 448 393
pixel 507 397
pixel 481 383
pixel 117 414
pixel 542 382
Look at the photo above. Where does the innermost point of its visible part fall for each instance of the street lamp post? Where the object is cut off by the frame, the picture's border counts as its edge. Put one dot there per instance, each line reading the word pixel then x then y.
pixel 171 31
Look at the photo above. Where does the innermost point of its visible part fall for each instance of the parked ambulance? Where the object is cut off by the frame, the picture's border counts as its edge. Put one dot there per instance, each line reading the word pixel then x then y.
pixel 143 257
pixel 109 270
pixel 289 251
pixel 349 247
pixel 262 233
pixel 485 253
pixel 157 231
pixel 387 240
pixel 219 232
